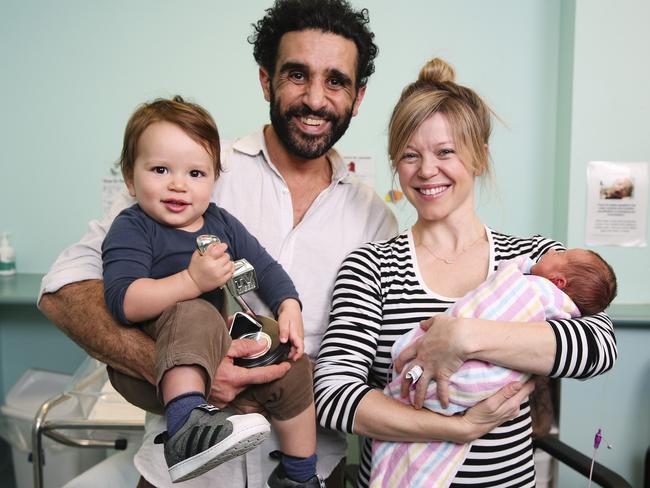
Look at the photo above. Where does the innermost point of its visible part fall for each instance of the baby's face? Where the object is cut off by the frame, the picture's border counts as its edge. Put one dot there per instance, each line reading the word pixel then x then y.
pixel 555 262
pixel 173 177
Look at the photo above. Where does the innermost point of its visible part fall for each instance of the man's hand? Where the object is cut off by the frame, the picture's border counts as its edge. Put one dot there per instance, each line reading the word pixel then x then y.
pixel 230 380
pixel 212 269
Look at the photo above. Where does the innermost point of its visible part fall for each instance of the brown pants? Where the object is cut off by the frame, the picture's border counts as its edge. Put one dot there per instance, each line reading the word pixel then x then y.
pixel 194 333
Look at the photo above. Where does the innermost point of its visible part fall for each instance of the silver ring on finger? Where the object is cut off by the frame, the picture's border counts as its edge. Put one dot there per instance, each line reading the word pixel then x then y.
pixel 414 373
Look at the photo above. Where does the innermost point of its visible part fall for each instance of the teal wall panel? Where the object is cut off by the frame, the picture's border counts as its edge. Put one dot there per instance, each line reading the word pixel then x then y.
pixel 619 403
pixel 28 340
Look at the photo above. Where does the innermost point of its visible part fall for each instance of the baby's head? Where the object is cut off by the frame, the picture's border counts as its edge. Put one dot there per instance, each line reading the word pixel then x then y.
pixel 170 159
pixel 582 274
pixel 191 118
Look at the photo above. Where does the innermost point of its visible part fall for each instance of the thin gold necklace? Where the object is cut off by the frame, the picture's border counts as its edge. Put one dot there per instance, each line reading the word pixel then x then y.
pixel 452 260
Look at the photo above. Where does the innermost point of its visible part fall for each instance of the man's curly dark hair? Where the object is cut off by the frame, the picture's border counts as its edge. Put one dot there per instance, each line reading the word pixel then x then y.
pixel 335 16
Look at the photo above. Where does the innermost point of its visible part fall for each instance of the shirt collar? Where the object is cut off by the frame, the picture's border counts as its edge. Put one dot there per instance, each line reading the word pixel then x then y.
pixel 254 144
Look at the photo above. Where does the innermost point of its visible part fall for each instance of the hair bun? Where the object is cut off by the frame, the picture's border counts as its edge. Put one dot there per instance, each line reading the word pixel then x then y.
pixel 437 71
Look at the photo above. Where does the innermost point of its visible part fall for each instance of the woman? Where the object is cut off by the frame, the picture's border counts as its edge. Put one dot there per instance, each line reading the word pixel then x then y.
pixel 438 144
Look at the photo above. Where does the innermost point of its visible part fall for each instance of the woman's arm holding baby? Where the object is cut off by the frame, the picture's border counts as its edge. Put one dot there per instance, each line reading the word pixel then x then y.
pixel 384 418
pixel 581 347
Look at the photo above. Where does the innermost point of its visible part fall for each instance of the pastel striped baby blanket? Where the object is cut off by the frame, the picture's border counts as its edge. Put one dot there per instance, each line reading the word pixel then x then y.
pixel 509 294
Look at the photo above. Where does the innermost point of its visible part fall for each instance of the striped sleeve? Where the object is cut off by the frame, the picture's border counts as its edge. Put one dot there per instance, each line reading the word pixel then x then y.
pixel 586 346
pixel 350 343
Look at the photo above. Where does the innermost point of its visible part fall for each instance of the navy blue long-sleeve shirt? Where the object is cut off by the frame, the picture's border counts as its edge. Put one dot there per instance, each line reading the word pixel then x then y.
pixel 137 246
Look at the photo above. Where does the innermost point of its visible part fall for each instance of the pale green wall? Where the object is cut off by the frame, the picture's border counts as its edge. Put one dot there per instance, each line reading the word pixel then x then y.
pixel 563 121
pixel 73 71
pixel 609 121
pixel 617 402
pixel 611 103
pixel 560 75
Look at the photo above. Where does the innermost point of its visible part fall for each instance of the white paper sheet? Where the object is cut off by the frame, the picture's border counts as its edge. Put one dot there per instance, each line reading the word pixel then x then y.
pixel 112 187
pixel 617 203
pixel 363 167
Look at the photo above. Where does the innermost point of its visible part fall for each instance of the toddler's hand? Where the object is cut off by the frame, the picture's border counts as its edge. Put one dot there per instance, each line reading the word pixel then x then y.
pixel 212 269
pixel 291 328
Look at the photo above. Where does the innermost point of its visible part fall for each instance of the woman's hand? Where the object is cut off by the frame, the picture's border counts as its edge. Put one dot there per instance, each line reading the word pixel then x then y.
pixel 494 411
pixel 440 352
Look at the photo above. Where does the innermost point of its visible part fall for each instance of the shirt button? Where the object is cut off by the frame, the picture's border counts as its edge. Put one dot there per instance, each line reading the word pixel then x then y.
pixel 285 190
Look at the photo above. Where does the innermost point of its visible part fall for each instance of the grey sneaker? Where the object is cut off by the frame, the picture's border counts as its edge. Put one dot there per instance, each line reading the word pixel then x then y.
pixel 209 437
pixel 279 479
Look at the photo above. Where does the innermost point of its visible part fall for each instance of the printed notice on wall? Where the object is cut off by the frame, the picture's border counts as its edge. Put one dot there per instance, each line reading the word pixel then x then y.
pixel 112 188
pixel 363 167
pixel 617 203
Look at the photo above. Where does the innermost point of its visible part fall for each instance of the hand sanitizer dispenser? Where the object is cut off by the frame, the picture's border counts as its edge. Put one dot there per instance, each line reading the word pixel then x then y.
pixel 7 256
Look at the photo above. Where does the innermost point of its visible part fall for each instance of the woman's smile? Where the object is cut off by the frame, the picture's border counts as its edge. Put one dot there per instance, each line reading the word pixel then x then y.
pixel 433 191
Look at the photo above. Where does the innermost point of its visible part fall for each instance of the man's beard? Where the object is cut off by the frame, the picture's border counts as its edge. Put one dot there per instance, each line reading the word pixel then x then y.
pixel 303 145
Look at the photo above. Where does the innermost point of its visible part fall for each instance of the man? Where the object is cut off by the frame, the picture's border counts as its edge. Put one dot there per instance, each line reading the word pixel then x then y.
pixel 289 188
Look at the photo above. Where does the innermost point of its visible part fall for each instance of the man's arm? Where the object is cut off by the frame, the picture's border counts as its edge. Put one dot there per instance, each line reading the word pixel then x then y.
pixel 79 310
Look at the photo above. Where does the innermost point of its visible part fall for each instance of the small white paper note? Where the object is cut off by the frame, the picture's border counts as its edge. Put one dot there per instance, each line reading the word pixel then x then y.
pixel 617 203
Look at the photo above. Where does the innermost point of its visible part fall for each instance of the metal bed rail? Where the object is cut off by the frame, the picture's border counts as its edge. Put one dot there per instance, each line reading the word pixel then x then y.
pixel 50 428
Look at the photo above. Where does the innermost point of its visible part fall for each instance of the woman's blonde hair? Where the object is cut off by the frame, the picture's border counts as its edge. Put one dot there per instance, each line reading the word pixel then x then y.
pixel 435 91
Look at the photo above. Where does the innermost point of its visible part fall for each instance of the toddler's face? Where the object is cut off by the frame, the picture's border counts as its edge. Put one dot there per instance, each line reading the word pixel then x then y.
pixel 173 177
